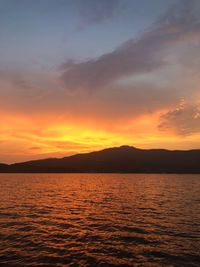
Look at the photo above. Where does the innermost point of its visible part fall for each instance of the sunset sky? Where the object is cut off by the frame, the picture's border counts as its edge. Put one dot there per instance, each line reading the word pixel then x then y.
pixel 82 75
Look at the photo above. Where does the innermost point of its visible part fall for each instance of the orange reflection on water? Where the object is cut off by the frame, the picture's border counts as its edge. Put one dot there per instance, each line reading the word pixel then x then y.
pixel 99 218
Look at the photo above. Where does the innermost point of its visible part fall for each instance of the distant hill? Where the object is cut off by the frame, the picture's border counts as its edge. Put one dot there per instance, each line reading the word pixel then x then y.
pixel 124 159
pixel 3 167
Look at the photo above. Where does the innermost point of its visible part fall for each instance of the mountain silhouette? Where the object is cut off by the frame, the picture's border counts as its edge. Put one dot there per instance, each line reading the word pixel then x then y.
pixel 124 159
pixel 3 166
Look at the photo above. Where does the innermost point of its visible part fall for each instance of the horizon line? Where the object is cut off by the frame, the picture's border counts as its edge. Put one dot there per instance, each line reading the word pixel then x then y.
pixel 107 148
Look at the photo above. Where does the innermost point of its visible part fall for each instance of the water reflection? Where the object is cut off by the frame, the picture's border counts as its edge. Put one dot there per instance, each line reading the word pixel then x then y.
pixel 99 220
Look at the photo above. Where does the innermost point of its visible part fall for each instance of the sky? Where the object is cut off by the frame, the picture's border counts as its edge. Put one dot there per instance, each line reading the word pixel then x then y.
pixel 82 75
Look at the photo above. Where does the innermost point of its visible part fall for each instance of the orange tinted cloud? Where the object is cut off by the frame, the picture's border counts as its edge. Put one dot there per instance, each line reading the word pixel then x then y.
pixel 130 95
pixel 23 138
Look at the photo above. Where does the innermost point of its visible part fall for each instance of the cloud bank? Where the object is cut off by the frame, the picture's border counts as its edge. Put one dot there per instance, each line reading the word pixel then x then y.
pixel 145 54
pixel 183 120
pixel 129 94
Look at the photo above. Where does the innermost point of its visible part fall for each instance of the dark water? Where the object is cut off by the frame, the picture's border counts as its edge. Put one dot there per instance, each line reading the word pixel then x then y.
pixel 99 220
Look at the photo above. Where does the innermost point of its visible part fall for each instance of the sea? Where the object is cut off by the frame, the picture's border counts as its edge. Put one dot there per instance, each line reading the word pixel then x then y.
pixel 99 220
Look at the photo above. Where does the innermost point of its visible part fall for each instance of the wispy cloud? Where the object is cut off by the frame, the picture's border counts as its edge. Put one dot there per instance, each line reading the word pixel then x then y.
pixel 93 12
pixel 183 120
pixel 145 54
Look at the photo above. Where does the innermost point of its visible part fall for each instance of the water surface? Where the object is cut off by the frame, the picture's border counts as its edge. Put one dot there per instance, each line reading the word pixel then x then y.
pixel 99 220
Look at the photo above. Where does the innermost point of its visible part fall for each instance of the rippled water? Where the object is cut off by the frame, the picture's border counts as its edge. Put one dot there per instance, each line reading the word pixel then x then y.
pixel 99 220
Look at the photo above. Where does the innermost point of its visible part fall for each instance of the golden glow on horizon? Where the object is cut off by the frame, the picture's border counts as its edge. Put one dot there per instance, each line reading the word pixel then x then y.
pixel 24 138
pixel 61 93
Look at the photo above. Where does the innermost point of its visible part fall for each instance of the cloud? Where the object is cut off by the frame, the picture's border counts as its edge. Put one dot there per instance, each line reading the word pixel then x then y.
pixel 142 55
pixel 152 83
pixel 183 120
pixel 35 148
pixel 93 12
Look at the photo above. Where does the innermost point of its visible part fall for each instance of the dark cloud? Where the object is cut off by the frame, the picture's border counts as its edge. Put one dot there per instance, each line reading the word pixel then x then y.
pixel 155 86
pixel 118 101
pixel 142 55
pixel 184 120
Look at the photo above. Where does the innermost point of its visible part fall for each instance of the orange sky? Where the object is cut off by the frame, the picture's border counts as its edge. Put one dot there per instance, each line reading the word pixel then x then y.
pixel 108 79
pixel 24 137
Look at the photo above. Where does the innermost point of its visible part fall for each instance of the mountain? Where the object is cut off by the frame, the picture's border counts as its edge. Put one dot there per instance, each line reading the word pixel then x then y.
pixel 122 159
pixel 3 167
